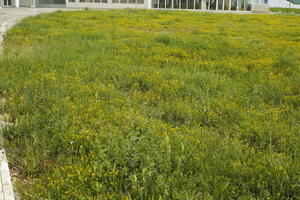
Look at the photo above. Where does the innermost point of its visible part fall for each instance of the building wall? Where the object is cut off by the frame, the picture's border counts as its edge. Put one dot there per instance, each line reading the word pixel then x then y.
pixel 87 3
pixel 2 3
pixel 25 3
pixel 213 5
pixel 45 2
pixel 108 4
pixel 49 2
pixel 103 5
pixel 282 4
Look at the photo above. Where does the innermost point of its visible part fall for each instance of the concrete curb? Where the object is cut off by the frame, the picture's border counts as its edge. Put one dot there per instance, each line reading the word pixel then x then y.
pixel 6 188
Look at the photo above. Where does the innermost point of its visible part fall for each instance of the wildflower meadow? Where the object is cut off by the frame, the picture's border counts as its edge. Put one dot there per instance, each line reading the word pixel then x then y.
pixel 145 104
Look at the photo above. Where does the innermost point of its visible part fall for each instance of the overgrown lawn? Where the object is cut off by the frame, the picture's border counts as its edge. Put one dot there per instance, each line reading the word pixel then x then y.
pixel 141 104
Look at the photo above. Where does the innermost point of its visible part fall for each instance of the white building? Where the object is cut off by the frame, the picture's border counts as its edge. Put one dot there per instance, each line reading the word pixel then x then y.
pixel 284 4
pixel 216 5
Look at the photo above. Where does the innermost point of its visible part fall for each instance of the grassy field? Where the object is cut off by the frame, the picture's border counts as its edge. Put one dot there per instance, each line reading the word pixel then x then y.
pixel 135 104
pixel 286 10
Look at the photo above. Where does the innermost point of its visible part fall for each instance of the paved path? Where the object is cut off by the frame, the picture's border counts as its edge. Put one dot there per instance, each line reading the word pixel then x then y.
pixel 6 189
pixel 11 16
pixel 8 18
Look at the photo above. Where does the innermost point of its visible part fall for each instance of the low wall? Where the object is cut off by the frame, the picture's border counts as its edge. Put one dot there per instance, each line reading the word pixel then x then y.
pixel 25 3
pixel 108 4
pixel 105 5
pixel 260 8
pixel 282 4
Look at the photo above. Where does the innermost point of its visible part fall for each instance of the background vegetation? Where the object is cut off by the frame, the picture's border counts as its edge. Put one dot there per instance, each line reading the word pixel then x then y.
pixel 136 104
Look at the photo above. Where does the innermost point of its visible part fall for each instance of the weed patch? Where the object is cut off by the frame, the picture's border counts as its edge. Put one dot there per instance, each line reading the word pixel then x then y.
pixel 144 104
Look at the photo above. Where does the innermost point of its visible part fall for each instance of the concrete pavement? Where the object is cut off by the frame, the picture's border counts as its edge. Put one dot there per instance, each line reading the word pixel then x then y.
pixel 11 16
pixel 8 18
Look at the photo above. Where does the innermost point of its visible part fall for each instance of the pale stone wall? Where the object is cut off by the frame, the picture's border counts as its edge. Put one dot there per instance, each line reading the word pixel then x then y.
pixel 105 5
pixel 260 8
pixel 109 4
pixel 45 1
pixel 25 3
pixel 2 4
pixel 282 4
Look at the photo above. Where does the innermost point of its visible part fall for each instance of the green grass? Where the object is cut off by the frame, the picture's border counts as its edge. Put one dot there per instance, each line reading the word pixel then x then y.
pixel 286 10
pixel 136 104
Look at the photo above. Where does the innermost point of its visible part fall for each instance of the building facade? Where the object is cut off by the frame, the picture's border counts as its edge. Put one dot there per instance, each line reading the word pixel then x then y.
pixel 213 5
pixel 285 4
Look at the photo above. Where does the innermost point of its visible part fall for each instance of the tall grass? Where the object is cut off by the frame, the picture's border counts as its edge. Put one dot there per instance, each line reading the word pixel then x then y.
pixel 135 104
